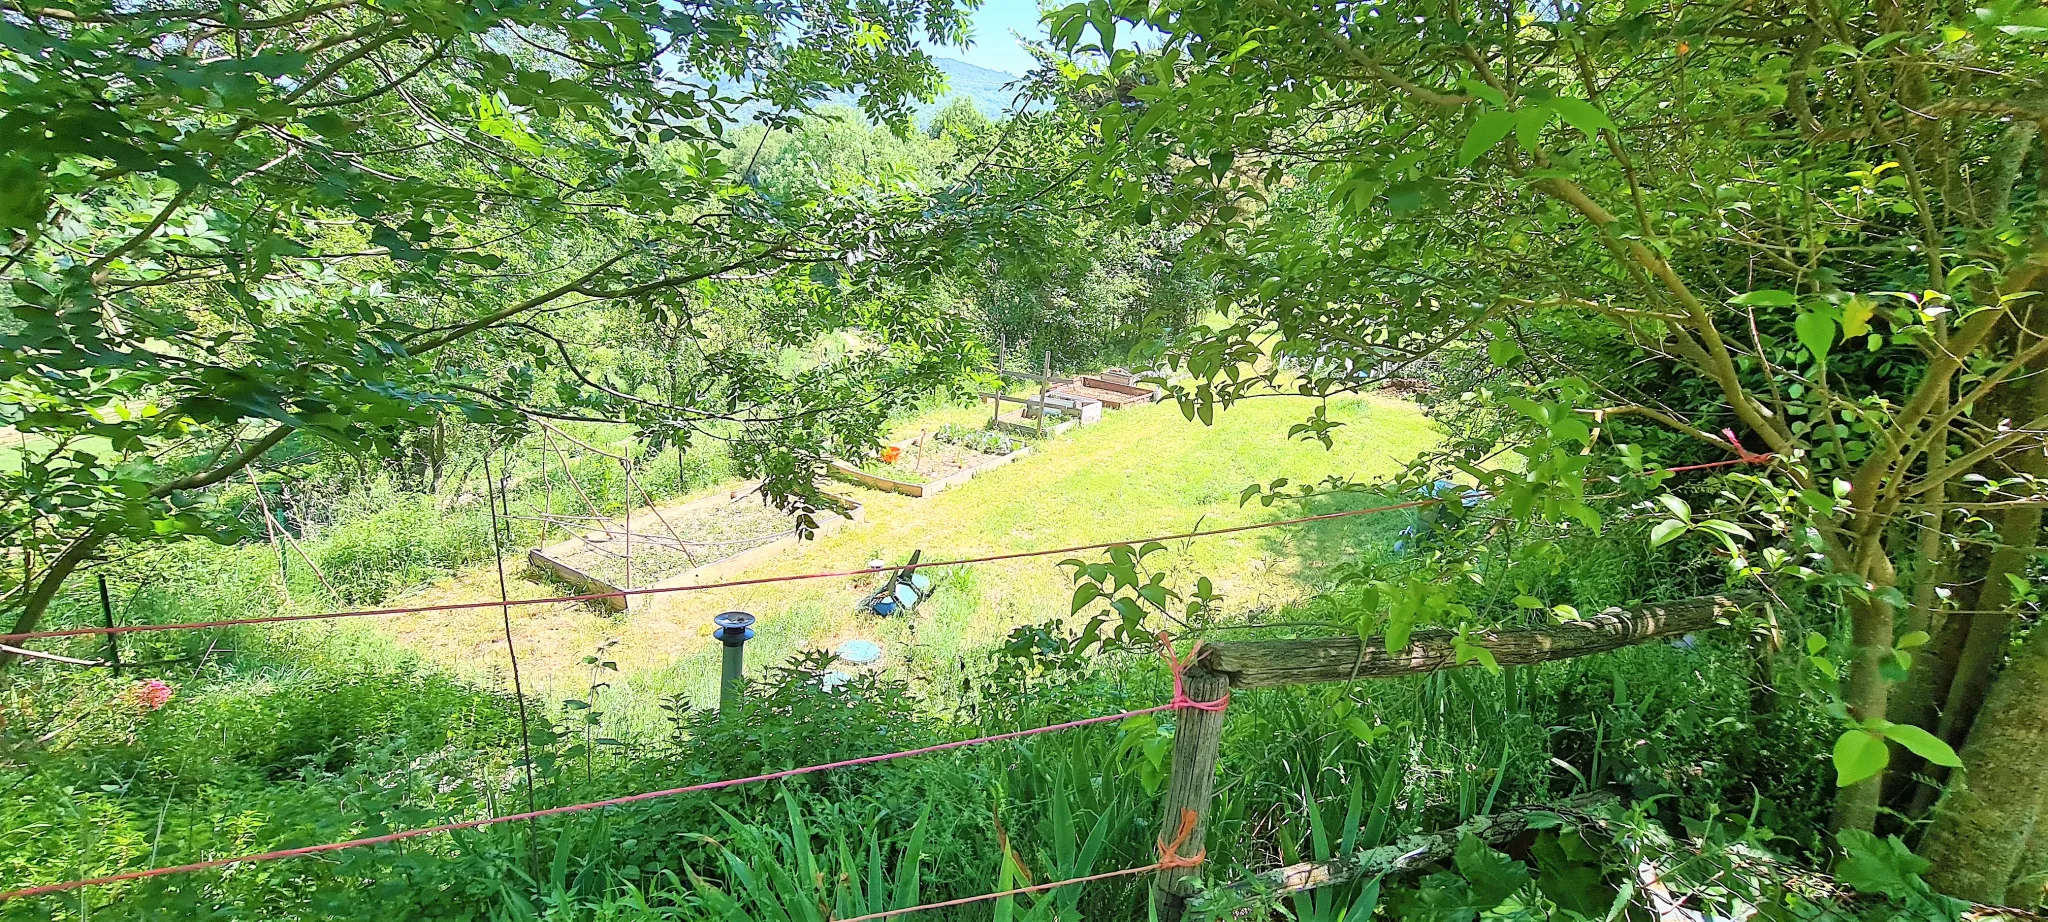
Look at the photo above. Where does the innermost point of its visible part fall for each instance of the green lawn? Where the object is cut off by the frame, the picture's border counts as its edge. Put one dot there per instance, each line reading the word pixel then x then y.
pixel 1141 472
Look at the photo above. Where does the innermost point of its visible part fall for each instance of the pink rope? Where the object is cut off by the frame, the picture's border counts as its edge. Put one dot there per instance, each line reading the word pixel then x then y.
pixel 652 590
pixel 1169 858
pixel 1168 854
pixel 303 851
pixel 1744 456
pixel 1178 667
pixel 1036 888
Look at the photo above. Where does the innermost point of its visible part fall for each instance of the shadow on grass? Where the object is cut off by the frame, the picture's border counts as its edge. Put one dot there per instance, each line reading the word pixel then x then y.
pixel 1323 547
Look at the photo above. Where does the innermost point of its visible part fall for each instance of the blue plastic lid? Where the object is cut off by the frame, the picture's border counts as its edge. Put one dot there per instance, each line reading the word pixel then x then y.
pixel 860 652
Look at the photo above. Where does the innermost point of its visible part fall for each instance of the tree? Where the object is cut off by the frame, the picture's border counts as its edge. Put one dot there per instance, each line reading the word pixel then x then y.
pixel 1808 230
pixel 228 226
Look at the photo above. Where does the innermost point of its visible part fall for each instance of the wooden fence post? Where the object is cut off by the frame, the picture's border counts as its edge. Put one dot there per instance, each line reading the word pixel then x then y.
pixel 1197 741
pixel 1002 348
pixel 113 639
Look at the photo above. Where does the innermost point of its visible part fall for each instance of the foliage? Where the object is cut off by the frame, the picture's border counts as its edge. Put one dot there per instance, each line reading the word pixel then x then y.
pixel 1680 232
pixel 339 222
pixel 986 441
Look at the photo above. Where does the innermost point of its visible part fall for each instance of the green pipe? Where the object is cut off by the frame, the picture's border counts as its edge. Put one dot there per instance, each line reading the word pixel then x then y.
pixel 735 628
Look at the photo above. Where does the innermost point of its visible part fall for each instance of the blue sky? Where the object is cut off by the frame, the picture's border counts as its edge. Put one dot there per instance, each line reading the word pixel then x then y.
pixel 995 46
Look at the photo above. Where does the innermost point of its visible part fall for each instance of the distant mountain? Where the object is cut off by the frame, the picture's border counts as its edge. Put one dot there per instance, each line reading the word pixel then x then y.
pixel 984 86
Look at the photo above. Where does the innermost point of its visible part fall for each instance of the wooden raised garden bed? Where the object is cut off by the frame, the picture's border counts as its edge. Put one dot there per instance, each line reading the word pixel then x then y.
pixel 1109 391
pixel 1067 411
pixel 683 544
pixel 924 466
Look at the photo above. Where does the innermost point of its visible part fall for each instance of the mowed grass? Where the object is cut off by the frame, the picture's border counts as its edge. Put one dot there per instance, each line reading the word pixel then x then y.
pixel 1140 473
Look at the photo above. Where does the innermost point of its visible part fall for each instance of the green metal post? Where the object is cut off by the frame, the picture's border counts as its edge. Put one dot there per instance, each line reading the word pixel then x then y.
pixel 735 628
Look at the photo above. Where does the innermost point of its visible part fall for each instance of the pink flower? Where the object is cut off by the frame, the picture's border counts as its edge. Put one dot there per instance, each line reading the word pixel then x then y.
pixel 150 695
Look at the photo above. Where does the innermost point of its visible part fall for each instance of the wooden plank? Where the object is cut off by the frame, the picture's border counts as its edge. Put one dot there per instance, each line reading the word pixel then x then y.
pixel 1016 422
pixel 845 471
pixel 1117 387
pixel 1190 785
pixel 1411 855
pixel 1265 663
pixel 1056 401
pixel 1025 375
pixel 541 560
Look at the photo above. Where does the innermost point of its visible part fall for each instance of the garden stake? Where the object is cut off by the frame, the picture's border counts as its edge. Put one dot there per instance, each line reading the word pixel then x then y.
pixel 113 639
pixel 735 628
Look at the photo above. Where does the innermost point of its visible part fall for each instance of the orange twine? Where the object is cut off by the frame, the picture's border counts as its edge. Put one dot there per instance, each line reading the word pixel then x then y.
pixel 1178 666
pixel 1169 852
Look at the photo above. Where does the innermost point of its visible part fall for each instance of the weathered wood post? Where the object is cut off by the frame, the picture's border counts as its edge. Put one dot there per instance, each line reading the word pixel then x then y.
pixel 1044 383
pixel 113 639
pixel 1197 742
pixel 1002 348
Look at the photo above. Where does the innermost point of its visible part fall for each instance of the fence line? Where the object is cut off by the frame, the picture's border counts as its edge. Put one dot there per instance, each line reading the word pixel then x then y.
pixel 727 584
pixel 1746 458
pixel 403 835
pixel 1169 857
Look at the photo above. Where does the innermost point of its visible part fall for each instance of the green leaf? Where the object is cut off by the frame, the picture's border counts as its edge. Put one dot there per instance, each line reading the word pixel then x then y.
pixel 1856 316
pixel 1399 625
pixel 1677 506
pixel 1529 126
pixel 1768 297
pixel 1880 867
pixel 1583 115
pixel 1816 331
pixel 1483 91
pixel 1494 876
pixel 1859 755
pixel 1923 744
pixel 1487 130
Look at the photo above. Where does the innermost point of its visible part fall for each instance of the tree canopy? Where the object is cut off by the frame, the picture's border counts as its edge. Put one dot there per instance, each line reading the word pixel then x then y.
pixel 1687 231
pixel 229 226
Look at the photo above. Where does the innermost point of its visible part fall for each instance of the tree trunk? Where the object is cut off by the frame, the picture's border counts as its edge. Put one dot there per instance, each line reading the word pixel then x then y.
pixel 2019 532
pixel 1867 693
pixel 1983 824
pixel 38 600
pixel 2029 885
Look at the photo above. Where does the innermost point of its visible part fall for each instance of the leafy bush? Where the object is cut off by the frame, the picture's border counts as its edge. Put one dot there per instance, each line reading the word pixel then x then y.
pixel 396 541
pixel 986 441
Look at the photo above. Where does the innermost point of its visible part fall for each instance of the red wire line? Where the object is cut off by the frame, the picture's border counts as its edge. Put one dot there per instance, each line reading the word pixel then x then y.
pixel 1036 888
pixel 653 590
pixel 1747 458
pixel 1169 852
pixel 1180 700
pixel 571 808
pixel 1728 463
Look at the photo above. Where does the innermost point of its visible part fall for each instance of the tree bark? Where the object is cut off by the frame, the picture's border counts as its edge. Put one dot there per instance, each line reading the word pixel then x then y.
pixel 1867 694
pixel 1984 822
pixel 61 566
pixel 2019 532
